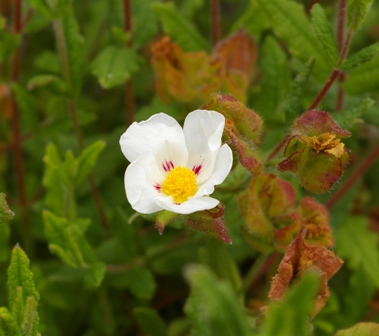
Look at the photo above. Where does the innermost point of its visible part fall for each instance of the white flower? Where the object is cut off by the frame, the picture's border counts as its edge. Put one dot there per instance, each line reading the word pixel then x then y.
pixel 175 168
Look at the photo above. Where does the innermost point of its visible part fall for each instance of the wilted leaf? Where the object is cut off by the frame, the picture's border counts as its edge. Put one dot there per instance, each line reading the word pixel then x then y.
pixel 299 258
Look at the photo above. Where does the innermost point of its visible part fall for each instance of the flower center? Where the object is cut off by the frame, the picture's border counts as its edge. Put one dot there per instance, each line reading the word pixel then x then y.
pixel 180 183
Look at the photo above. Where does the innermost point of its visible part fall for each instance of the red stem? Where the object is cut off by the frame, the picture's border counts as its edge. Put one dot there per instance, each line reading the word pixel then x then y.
pixel 353 177
pixel 341 24
pixel 17 141
pixel 215 21
pixel 129 87
pixel 325 89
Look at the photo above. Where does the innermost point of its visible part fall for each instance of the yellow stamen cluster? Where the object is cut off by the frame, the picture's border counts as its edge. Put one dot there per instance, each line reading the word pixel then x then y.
pixel 327 142
pixel 180 183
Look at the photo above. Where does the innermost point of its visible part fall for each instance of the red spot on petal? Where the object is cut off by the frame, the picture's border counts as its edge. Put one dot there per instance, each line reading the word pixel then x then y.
pixel 197 169
pixel 167 165
pixel 157 187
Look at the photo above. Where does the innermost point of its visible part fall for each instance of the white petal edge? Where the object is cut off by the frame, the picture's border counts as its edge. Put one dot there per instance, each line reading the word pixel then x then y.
pixel 190 206
pixel 203 131
pixel 222 167
pixel 151 135
pixel 139 179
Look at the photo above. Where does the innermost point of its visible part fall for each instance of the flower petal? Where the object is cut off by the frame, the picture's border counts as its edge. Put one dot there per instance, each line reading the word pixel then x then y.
pixel 190 206
pixel 140 178
pixel 159 131
pixel 221 170
pixel 203 130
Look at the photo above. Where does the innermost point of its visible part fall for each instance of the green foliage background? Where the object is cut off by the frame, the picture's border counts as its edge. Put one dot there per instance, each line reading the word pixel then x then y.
pixel 121 277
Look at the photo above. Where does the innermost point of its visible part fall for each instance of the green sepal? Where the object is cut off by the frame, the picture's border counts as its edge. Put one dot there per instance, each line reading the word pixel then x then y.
pixel 163 219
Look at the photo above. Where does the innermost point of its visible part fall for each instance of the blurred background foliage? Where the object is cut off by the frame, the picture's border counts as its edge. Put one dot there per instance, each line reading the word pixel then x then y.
pixel 74 74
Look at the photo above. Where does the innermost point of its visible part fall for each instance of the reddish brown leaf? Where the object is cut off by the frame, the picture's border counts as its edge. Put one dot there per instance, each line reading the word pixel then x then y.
pixel 300 258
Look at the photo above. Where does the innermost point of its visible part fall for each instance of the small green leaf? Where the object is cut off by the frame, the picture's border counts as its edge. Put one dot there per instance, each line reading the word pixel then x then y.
pixel 363 79
pixel 360 329
pixel 70 47
pixel 114 66
pixel 253 19
pixel 18 305
pixel 150 322
pixel 356 12
pixel 222 263
pixel 362 56
pixel 95 275
pixel 345 119
pixel 8 325
pixel 87 159
pixel 141 283
pixel 8 43
pixel 212 306
pixel 293 103
pixel 30 322
pixel 291 316
pixel 5 213
pixel 358 246
pixel 20 275
pixel 275 80
pixel 178 28
pixel 289 22
pixel 145 24
pixel 324 34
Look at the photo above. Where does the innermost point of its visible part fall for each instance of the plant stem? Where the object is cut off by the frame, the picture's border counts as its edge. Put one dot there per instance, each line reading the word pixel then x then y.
pixel 341 24
pixel 369 160
pixel 74 117
pixel 17 141
pixel 253 272
pixel 325 89
pixel 129 87
pixel 215 21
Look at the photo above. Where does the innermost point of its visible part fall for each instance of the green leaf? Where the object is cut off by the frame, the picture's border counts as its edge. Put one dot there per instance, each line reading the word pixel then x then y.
pixel 275 80
pixel 345 119
pixel 253 19
pixel 27 105
pixel 95 275
pixel 289 22
pixel 222 263
pixel 212 306
pixel 141 283
pixel 149 321
pixel 19 275
pixel 325 34
pixel 178 28
pixel 5 213
pixel 291 316
pixel 356 11
pixel 362 56
pixel 114 66
pixel 293 103
pixel 18 305
pixel 358 246
pixel 50 9
pixel 8 44
pixel 360 329
pixel 8 325
pixel 145 24
pixel 70 47
pixel 364 78
pixel 64 239
pixel 30 322
pixel 87 159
